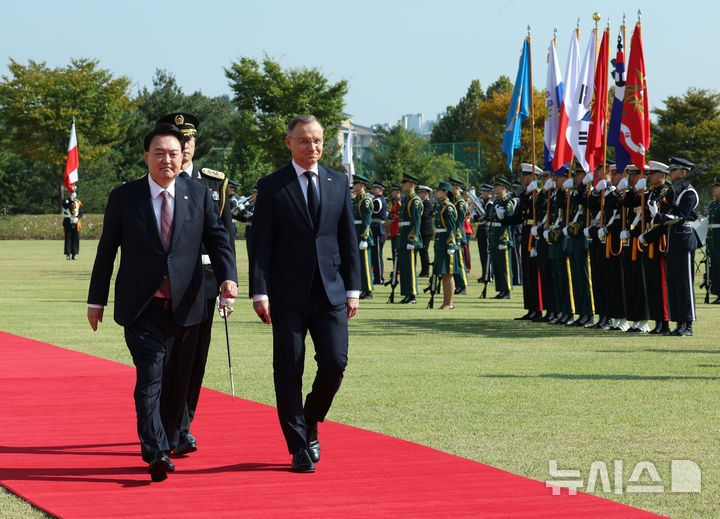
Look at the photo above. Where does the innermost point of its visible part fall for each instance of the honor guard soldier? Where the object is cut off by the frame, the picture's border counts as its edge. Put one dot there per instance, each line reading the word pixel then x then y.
pixel 461 209
pixel 712 243
pixel 500 239
pixel 362 215
pixel 446 246
pixel 557 248
pixel 72 214
pixel 409 238
pixel 218 186
pixel 524 216
pixel 681 244
pixel 483 229
pixel 540 247
pixel 577 249
pixel 379 216
pixel 653 239
pixel 393 221
pixel 426 230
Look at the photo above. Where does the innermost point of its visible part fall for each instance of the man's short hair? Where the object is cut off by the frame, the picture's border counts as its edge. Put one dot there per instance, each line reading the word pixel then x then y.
pixel 164 129
pixel 304 119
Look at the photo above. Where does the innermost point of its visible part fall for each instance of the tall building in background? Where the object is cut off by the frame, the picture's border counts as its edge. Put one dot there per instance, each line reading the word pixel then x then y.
pixel 413 122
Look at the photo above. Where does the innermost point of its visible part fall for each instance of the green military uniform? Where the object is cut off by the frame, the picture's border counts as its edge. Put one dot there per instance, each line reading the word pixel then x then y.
pixel 558 254
pixel 578 256
pixel 461 209
pixel 500 240
pixel 409 234
pixel 362 215
pixel 712 245
pixel 445 238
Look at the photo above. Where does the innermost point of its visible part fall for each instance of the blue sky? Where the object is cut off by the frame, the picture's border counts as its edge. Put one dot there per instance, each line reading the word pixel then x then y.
pixel 398 56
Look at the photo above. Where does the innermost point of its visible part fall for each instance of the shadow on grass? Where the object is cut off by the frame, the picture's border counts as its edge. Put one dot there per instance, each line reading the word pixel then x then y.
pixel 603 376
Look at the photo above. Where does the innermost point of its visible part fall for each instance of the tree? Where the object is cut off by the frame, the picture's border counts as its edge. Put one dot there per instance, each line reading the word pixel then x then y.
pixel 461 120
pixel 689 127
pixel 37 106
pixel 267 98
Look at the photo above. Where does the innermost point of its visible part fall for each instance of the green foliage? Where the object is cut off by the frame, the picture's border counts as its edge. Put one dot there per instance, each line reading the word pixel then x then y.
pixel 267 98
pixel 689 127
pixel 460 122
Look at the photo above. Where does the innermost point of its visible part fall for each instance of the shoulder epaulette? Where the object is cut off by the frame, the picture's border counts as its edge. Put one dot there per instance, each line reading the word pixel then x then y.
pixel 218 175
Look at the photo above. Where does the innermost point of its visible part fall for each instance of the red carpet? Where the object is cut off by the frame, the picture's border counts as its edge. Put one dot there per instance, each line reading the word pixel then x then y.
pixel 68 445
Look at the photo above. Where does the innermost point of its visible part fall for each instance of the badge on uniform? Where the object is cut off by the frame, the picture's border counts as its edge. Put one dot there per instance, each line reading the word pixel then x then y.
pixel 215 194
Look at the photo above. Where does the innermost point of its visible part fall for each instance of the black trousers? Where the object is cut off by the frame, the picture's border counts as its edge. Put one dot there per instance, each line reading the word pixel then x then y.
pixel 161 352
pixel 72 239
pixel 599 287
pixel 530 275
pixel 328 327
pixel 547 283
pixel 376 250
pixel 482 243
pixel 654 270
pixel 636 299
pixel 680 275
pixel 198 362
pixel 615 281
pixel 425 255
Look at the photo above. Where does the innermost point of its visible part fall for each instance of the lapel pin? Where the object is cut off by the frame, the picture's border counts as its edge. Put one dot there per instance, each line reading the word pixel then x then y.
pixel 185 197
pixel 329 180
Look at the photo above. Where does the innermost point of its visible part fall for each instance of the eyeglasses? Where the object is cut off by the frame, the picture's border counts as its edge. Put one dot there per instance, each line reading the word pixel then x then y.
pixel 308 143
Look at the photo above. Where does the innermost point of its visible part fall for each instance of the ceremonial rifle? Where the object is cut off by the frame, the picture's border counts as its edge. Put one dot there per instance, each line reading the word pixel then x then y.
pixel 433 286
pixel 393 281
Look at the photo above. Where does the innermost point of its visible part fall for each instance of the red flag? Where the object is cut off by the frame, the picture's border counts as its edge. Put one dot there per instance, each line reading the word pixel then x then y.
pixel 635 124
pixel 72 163
pixel 597 141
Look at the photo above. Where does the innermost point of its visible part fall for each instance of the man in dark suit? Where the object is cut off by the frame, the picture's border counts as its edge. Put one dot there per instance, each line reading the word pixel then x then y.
pixel 306 265
pixel 160 223
pixel 217 183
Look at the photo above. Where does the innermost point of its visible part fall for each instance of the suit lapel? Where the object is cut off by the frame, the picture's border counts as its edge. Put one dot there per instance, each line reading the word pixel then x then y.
pixel 145 208
pixel 181 203
pixel 292 185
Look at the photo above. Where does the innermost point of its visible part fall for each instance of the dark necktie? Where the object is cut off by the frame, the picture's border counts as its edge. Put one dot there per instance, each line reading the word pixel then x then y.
pixel 312 199
pixel 165 235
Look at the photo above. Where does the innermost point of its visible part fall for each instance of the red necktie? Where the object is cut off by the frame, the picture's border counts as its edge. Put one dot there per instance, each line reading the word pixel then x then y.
pixel 165 235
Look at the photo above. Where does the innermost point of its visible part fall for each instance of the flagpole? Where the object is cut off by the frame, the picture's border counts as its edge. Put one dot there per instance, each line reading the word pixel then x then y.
pixel 532 121
pixel 642 173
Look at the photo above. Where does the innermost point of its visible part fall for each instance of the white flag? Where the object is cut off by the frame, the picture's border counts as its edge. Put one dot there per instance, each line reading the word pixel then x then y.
pixel 553 100
pixel 579 121
pixel 347 158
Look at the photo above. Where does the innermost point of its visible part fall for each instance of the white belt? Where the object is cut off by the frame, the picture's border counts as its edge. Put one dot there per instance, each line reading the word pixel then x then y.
pixel 440 230
pixel 378 220
pixel 357 222
pixel 529 222
pixel 714 226
pixel 205 259
pixel 495 224
pixel 404 224
pixel 248 224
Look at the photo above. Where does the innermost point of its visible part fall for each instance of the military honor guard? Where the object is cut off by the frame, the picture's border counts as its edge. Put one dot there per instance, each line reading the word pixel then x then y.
pixel 217 184
pixel 446 245
pixel 378 229
pixel 393 220
pixel 409 238
pixel 461 209
pixel 500 239
pixel 482 232
pixel 557 247
pixel 72 215
pixel 426 230
pixel 362 214
pixel 712 243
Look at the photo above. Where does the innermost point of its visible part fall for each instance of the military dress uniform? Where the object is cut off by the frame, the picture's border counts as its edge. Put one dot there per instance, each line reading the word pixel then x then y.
pixel 712 245
pixel 500 241
pixel 72 214
pixel 481 235
pixel 558 255
pixel 461 209
pixel 362 215
pixel 445 238
pixel 578 257
pixel 609 234
pixel 379 232
pixel 427 230
pixel 541 252
pixel 410 214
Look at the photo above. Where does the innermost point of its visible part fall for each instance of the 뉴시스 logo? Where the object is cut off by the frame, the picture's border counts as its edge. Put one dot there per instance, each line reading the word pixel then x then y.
pixel 685 477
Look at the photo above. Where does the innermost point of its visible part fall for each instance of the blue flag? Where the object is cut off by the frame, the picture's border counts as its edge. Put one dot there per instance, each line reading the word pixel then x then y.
pixel 622 157
pixel 519 106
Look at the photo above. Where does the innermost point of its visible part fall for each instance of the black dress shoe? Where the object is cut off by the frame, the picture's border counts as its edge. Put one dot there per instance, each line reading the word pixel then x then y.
pixel 688 332
pixel 716 302
pixel 409 300
pixel 159 467
pixel 187 444
pixel 171 466
pixel 525 317
pixel 366 295
pixel 312 442
pixel 423 275
pixel 460 291
pixel 657 329
pixel 503 295
pixel 539 318
pixel 301 462
pixel 571 320
pixel 679 329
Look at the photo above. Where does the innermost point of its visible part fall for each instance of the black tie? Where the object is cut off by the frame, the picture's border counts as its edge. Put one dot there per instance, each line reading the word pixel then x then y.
pixel 312 199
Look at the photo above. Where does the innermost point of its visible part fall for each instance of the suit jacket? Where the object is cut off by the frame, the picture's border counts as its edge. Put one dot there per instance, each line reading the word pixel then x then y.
pixel 287 249
pixel 130 224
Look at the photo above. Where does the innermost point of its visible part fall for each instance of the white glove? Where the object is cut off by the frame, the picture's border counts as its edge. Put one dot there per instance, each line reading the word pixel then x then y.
pixel 602 232
pixel 569 183
pixel 363 245
pixel 225 304
pixel 609 189
pixel 589 177
pixel 410 246
pixel 546 234
pixel 74 220
pixel 502 246
pixel 533 252
pixel 549 183
pixel 624 235
pixel 565 231
pixel 451 252
pixel 601 185
pixel 623 184
pixel 586 232
pixel 641 184
pixel 653 207
pixel 642 239
pixel 532 186
pixel 500 212
pixel 534 231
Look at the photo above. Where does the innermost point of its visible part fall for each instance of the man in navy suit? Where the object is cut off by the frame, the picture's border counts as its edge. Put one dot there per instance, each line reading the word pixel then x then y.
pixel 160 222
pixel 306 265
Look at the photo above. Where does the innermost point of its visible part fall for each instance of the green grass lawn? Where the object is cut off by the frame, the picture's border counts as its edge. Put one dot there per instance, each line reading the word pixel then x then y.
pixel 472 381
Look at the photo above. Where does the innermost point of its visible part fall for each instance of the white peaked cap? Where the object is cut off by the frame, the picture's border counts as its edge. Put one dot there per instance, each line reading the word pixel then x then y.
pixel 528 168
pixel 654 165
